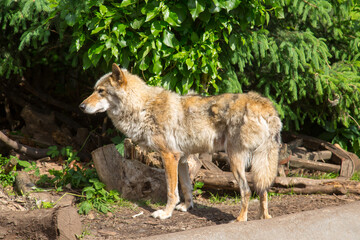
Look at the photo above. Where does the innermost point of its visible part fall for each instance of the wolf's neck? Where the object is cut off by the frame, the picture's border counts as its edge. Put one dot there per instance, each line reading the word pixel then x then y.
pixel 130 115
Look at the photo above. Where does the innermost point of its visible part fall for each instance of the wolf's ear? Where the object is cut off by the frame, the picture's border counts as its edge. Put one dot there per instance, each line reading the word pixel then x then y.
pixel 118 74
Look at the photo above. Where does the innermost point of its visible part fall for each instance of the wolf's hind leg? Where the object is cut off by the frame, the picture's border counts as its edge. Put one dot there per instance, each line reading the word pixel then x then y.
pixel 264 170
pixel 186 186
pixel 238 161
pixel 264 211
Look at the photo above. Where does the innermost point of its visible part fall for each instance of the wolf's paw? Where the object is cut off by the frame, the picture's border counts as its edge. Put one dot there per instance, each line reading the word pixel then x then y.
pixel 183 207
pixel 161 214
pixel 265 216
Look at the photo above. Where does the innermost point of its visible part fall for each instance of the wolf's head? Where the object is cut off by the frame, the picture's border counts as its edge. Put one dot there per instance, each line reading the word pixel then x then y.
pixel 105 91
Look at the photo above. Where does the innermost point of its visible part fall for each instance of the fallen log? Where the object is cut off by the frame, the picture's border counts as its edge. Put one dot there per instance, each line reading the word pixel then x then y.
pixel 349 162
pixel 226 180
pixel 55 223
pixel 310 186
pixel 32 152
pixel 296 162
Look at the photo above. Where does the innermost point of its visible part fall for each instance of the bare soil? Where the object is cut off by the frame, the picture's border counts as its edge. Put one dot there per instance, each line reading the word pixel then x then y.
pixel 120 224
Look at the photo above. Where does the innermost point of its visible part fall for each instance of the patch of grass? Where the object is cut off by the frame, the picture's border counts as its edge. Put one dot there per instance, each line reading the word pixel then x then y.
pixel 326 176
pixel 317 176
pixel 216 198
pixel 274 194
pixel 84 233
pixel 198 188
pixel 356 176
pixel 225 197
pixel 149 203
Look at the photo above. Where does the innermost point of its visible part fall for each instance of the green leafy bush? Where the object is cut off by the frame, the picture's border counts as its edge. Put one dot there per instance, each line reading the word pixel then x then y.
pixel 301 54
pixel 6 179
pixel 97 197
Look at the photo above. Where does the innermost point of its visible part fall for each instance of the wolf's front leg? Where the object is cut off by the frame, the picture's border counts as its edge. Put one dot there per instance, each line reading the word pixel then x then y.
pixel 170 161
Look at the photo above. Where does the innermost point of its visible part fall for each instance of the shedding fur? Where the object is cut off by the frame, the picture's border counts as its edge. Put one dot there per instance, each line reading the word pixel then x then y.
pixel 246 126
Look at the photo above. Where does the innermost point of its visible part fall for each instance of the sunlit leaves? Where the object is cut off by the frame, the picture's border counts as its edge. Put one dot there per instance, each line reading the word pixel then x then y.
pixel 196 7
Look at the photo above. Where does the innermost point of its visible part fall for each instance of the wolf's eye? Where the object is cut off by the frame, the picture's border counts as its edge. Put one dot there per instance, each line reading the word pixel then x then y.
pixel 100 90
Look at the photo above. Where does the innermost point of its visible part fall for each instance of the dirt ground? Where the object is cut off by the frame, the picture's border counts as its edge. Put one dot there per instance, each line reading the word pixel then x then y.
pixel 120 224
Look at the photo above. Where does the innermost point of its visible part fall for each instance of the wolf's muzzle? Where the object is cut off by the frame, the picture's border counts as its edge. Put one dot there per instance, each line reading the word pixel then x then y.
pixel 82 106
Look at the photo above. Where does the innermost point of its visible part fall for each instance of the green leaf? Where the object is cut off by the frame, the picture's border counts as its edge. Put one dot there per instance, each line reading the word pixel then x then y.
pixel 103 10
pixel 143 65
pixel 97 184
pixel 196 7
pixel 156 28
pixel 152 14
pixel 232 42
pixel 96 30
pixel 70 19
pixel 95 49
pixel 126 3
pixel 24 164
pixel 171 17
pixel 85 207
pixel 194 37
pixel 228 5
pixel 279 13
pixel 137 23
pixel 169 39
pixel 86 61
pixel 189 63
pixel 170 80
pixel 53 151
pixel 119 29
pixel 157 66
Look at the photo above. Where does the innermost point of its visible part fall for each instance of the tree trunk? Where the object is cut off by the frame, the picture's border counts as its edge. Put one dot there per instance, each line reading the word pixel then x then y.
pixel 56 223
pixel 133 179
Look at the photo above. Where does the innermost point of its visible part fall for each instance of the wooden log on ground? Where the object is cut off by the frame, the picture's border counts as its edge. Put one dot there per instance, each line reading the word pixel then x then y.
pixel 219 180
pixel 23 182
pixel 312 165
pixel 226 180
pixel 32 152
pixel 310 186
pixel 56 223
pixel 206 160
pixel 133 179
pixel 10 165
pixel 349 162
pixel 194 165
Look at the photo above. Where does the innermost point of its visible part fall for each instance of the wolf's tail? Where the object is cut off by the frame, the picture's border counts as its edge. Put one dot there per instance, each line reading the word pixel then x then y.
pixel 265 157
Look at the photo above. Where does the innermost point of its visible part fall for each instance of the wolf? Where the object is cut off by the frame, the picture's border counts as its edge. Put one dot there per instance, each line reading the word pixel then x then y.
pixel 246 126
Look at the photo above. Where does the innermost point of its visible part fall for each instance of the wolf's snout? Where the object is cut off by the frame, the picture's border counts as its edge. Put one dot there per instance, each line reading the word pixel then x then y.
pixel 82 106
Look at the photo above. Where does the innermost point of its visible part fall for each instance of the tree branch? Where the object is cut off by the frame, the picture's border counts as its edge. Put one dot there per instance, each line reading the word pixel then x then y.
pixel 31 151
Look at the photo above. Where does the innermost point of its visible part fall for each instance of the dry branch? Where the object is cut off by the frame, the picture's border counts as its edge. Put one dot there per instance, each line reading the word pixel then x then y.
pixel 31 151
